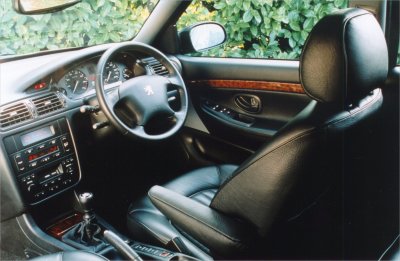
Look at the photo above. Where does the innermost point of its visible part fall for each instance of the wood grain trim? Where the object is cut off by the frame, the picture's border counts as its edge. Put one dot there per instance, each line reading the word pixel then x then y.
pixel 64 225
pixel 253 85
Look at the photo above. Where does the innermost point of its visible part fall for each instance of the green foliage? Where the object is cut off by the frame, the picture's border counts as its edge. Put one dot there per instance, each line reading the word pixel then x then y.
pixel 274 29
pixel 255 28
pixel 88 23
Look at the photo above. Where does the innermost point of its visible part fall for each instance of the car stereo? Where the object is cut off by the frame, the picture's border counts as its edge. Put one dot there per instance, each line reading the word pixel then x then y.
pixel 43 160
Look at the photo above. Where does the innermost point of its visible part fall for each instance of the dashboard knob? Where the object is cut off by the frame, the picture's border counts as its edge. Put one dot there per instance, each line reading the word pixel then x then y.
pixel 32 188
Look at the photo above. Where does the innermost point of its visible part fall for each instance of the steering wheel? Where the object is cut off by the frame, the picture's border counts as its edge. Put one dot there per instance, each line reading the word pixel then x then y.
pixel 143 99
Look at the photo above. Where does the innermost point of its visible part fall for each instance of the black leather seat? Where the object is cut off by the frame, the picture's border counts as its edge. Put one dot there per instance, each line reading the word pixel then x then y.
pixel 71 256
pixel 222 209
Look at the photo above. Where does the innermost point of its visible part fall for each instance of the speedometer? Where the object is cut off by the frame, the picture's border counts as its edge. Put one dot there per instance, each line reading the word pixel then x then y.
pixel 111 73
pixel 76 81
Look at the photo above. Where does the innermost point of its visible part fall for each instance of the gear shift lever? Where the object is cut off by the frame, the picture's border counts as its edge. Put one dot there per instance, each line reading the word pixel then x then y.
pixel 89 228
pixel 86 202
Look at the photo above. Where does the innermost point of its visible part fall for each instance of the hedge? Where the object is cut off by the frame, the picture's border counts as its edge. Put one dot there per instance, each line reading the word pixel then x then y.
pixel 88 23
pixel 261 28
pixel 255 28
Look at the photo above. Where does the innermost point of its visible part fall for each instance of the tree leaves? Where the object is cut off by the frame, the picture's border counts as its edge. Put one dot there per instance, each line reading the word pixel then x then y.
pixel 247 16
pixel 255 28
pixel 87 23
pixel 261 28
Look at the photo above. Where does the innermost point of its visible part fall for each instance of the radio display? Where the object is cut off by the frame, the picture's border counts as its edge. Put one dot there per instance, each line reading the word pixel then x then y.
pixel 37 135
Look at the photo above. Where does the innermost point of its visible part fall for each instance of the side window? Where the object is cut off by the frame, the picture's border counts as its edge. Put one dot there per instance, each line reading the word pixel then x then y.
pixel 273 29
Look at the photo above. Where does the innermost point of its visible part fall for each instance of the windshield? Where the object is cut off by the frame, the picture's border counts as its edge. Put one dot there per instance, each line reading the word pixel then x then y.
pixel 90 22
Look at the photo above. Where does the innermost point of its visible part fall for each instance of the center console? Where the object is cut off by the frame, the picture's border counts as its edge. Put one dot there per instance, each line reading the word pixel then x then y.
pixel 44 161
pixel 84 230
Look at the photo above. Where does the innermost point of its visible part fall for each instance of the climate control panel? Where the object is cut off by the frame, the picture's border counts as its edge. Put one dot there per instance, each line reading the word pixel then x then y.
pixel 44 161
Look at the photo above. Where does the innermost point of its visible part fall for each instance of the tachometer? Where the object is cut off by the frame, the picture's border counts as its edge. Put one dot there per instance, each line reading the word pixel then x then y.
pixel 76 81
pixel 111 73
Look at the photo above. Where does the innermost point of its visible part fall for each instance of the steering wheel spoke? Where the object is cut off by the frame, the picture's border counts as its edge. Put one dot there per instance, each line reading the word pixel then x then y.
pixel 113 98
pixel 180 115
pixel 144 99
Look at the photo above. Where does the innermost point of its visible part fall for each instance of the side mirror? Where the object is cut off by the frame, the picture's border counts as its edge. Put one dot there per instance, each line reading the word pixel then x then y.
pixel 41 6
pixel 201 36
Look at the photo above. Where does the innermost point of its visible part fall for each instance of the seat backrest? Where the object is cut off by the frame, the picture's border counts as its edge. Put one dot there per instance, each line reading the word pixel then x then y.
pixel 344 61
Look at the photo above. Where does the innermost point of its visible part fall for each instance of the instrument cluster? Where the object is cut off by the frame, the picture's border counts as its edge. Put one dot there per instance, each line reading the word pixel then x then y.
pixel 79 80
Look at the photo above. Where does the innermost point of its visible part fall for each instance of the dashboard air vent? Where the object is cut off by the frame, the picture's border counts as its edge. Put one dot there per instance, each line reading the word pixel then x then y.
pixel 156 66
pixel 14 114
pixel 47 104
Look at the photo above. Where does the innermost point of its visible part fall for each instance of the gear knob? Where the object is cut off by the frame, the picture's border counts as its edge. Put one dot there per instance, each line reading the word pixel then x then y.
pixel 86 202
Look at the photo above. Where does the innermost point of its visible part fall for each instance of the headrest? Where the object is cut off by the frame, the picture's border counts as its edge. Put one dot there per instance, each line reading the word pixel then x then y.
pixel 344 58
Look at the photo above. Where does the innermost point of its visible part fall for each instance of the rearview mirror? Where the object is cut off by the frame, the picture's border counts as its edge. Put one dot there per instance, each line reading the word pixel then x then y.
pixel 202 36
pixel 42 6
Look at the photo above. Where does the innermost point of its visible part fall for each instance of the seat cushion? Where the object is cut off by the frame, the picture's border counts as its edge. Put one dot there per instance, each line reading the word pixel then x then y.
pixel 147 224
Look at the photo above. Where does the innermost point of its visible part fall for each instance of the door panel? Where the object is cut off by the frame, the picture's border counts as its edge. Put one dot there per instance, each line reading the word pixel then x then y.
pixel 242 102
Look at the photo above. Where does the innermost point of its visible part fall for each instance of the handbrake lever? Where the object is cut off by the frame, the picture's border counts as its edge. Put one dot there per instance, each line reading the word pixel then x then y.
pixel 122 247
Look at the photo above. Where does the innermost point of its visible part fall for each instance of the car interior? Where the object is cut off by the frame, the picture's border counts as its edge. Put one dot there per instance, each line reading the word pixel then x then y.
pixel 139 151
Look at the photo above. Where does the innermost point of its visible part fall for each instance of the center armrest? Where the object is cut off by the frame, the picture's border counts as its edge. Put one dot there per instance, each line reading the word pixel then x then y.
pixel 214 229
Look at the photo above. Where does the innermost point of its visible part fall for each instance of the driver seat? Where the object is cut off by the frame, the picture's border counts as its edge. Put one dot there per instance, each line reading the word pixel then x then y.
pixel 222 210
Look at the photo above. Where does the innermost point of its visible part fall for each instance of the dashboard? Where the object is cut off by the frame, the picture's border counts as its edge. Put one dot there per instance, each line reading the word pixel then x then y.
pixel 78 81
pixel 39 99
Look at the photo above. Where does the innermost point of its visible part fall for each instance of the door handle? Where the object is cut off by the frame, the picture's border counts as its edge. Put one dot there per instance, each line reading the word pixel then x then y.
pixel 249 103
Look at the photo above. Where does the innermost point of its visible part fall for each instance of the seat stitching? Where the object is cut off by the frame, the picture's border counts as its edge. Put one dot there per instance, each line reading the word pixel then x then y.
pixel 156 235
pixel 198 220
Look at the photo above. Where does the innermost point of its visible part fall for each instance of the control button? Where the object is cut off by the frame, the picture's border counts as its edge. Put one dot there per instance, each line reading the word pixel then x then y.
pixel 39 195
pixel 32 188
pixel 19 161
pixel 54 188
pixel 56 155
pixel 53 142
pixel 33 164
pixel 47 176
pixel 65 143
pixel 17 157
pixel 29 151
pixel 41 146
pixel 45 159
pixel 21 168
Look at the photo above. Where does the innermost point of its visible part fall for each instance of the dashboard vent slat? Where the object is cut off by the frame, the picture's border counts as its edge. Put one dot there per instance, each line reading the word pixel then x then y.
pixel 47 104
pixel 14 114
pixel 156 66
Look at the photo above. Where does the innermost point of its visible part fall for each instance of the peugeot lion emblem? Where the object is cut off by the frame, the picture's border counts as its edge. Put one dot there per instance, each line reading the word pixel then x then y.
pixel 149 91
